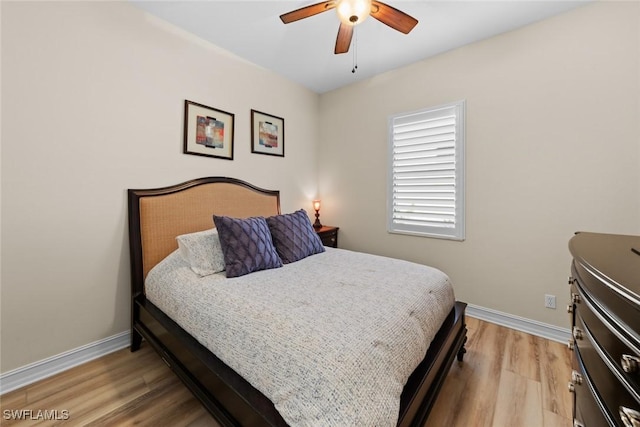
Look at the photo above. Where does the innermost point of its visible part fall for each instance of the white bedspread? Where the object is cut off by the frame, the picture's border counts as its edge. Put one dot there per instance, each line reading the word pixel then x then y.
pixel 331 339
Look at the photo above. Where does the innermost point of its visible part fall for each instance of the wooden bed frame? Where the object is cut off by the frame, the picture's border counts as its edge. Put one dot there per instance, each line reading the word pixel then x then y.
pixel 156 217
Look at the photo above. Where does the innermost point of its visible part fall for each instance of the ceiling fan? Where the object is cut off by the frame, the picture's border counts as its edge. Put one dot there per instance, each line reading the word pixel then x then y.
pixel 351 13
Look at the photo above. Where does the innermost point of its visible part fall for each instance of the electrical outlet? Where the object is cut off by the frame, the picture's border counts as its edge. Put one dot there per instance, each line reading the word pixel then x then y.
pixel 550 301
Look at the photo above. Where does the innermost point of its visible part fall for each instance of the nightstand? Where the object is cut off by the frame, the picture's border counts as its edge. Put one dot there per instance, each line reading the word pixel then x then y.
pixel 328 235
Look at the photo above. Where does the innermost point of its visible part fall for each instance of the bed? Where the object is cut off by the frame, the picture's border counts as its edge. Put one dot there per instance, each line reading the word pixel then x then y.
pixel 158 216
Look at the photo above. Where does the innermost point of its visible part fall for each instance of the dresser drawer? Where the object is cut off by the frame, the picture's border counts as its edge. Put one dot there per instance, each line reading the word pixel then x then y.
pixel 621 349
pixel 612 388
pixel 608 268
pixel 626 308
pixel 328 235
pixel 588 406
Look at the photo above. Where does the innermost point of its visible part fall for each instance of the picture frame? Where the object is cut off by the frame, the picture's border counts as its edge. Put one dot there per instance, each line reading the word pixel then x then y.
pixel 267 134
pixel 208 131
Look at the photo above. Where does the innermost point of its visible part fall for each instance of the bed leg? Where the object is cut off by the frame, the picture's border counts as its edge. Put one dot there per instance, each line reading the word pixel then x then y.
pixel 462 350
pixel 136 340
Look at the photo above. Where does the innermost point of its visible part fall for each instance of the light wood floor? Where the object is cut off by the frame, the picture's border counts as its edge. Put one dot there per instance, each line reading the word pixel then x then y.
pixel 508 378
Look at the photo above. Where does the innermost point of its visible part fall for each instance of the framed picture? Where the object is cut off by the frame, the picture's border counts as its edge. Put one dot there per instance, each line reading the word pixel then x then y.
pixel 207 131
pixel 267 134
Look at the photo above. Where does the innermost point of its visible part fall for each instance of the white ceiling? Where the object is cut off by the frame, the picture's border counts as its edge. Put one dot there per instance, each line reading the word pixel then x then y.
pixel 302 51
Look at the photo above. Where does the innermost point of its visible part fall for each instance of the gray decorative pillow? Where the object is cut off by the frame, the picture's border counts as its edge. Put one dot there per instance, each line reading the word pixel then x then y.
pixel 294 236
pixel 246 245
pixel 202 251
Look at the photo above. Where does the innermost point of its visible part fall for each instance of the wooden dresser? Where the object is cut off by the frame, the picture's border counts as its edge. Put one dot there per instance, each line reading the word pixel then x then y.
pixel 605 322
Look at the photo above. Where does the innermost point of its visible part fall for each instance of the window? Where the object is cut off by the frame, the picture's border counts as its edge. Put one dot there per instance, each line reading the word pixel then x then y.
pixel 426 172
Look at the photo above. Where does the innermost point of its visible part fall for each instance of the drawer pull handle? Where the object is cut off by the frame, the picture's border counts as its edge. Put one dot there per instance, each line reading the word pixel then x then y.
pixel 570 345
pixel 571 280
pixel 575 298
pixel 571 387
pixel 630 417
pixel 576 378
pixel 629 363
pixel 570 308
pixel 577 333
pixel 577 423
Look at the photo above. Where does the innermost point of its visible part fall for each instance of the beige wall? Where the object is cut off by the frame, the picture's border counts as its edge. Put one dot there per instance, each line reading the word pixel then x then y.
pixel 92 104
pixel 553 146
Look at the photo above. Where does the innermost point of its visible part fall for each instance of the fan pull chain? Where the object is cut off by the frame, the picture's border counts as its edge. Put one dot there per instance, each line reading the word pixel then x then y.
pixel 355 50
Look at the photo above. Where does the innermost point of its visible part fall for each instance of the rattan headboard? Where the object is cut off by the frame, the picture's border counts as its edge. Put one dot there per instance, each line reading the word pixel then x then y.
pixel 157 216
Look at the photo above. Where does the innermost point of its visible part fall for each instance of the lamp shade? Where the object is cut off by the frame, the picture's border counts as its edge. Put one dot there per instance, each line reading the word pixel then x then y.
pixel 352 12
pixel 316 205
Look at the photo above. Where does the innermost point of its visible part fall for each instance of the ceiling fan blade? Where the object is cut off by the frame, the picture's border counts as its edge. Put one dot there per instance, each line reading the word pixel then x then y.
pixel 345 32
pixel 392 17
pixel 307 11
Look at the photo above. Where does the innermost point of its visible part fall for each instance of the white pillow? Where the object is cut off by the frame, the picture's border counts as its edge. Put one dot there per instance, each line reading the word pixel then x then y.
pixel 202 251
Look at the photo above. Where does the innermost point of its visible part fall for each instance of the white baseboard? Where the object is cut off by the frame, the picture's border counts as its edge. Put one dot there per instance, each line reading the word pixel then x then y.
pixel 533 327
pixel 45 368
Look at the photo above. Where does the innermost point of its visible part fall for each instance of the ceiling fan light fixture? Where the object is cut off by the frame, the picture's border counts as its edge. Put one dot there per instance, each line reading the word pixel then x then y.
pixel 353 12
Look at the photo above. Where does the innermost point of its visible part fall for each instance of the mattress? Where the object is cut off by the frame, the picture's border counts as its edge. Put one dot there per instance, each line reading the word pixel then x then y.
pixel 331 339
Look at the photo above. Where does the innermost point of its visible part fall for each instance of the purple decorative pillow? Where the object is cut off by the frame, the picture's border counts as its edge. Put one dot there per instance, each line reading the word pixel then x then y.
pixel 294 237
pixel 246 245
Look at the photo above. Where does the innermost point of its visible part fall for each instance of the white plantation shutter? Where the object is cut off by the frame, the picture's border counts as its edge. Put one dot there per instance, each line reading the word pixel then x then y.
pixel 426 185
